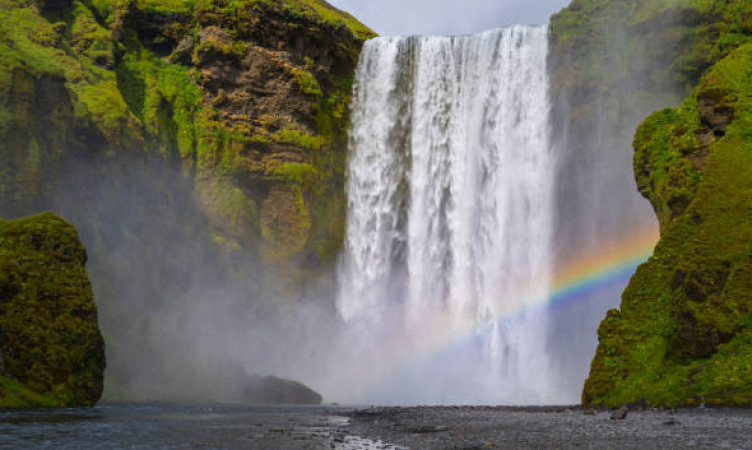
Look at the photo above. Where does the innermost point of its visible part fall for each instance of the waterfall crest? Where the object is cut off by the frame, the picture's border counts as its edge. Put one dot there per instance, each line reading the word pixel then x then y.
pixel 450 196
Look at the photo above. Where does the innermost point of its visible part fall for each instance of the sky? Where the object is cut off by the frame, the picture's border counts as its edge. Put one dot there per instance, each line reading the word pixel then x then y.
pixel 447 17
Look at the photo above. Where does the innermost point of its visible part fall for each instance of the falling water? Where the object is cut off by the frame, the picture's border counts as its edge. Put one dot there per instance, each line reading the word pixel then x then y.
pixel 450 213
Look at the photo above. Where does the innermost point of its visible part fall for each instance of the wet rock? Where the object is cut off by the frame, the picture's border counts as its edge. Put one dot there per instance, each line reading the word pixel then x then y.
pixel 620 414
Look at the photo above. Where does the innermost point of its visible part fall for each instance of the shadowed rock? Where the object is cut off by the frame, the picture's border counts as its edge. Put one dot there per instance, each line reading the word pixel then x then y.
pixel 275 390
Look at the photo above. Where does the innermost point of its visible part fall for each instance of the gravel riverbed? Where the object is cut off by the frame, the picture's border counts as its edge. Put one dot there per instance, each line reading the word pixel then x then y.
pixel 552 428
pixel 219 427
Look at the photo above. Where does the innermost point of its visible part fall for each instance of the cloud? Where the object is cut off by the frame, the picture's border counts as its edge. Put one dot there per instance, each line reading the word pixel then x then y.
pixel 447 17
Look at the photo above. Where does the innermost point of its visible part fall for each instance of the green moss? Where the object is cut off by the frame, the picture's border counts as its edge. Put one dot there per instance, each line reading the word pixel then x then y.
pixel 682 334
pixel 89 38
pixel 308 83
pixel 328 14
pixel 28 41
pixel 52 351
pixel 32 46
pixel 300 139
pixel 316 10
pixel 17 395
pixel 285 225
pixel 233 210
pixel 169 6
pixel 150 85
pixel 219 49
pixel 605 44
pixel 289 171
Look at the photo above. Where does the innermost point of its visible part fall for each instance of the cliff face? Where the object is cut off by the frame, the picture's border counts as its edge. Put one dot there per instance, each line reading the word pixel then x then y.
pixel 612 63
pixel 681 333
pixel 51 350
pixel 195 144
pixel 249 99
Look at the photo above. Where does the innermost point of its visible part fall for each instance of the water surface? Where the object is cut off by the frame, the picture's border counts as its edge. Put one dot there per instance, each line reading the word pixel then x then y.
pixel 169 426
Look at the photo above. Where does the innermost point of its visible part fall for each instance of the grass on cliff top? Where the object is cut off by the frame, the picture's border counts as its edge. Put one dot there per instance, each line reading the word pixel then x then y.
pixel 316 10
pixel 332 15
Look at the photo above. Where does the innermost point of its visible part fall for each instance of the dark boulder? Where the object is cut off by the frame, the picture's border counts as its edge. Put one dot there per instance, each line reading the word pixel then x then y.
pixel 273 390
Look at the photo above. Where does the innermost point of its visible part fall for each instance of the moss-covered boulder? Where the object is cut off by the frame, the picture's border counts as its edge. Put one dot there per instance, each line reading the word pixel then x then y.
pixel 683 335
pixel 51 350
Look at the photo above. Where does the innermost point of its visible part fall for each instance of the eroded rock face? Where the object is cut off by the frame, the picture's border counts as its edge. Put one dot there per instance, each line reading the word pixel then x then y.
pixel 51 349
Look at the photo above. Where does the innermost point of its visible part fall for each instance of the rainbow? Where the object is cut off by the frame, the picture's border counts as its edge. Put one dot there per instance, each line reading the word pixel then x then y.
pixel 589 274
pixel 602 269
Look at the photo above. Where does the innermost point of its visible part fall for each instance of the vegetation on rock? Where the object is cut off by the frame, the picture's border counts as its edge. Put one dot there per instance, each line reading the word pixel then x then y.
pixel 51 350
pixel 682 334
pixel 239 91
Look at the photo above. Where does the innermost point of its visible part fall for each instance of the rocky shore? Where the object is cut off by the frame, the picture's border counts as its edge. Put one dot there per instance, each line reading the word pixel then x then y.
pixel 553 428
pixel 217 426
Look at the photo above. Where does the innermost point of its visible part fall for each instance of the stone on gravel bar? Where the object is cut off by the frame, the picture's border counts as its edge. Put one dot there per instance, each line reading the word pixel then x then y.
pixel 620 414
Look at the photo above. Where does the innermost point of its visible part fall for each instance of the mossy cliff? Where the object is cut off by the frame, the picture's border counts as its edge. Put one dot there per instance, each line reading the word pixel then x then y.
pixel 248 97
pixel 611 64
pixel 682 334
pixel 196 144
pixel 51 350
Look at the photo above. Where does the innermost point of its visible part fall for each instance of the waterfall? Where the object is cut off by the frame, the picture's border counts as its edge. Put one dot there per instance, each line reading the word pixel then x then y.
pixel 449 227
